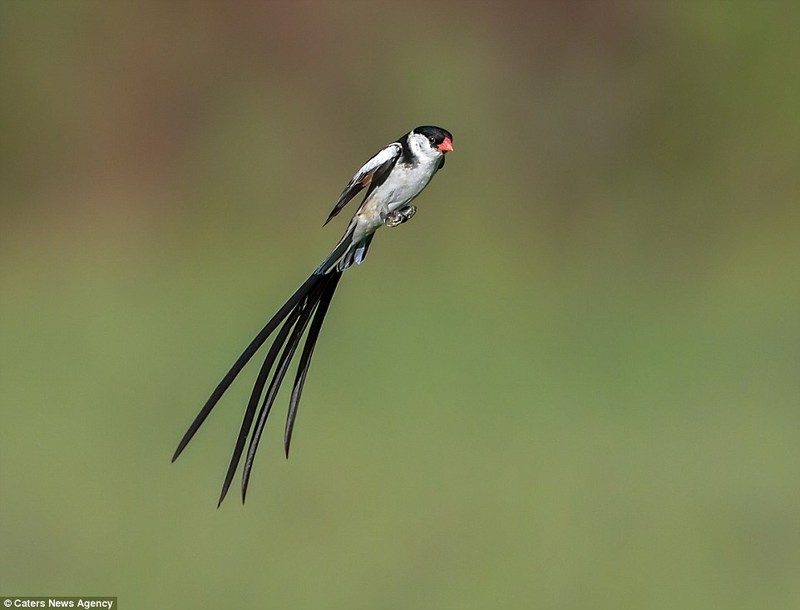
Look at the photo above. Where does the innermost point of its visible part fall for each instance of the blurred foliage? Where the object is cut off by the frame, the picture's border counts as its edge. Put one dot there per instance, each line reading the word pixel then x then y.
pixel 571 382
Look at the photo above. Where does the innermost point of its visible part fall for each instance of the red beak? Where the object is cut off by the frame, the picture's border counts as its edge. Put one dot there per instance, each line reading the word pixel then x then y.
pixel 446 146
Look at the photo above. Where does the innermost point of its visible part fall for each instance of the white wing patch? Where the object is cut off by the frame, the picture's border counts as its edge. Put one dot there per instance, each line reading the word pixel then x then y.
pixel 390 153
pixel 364 176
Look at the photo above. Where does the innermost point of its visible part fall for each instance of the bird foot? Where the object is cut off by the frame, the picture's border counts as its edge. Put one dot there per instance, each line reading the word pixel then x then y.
pixel 398 217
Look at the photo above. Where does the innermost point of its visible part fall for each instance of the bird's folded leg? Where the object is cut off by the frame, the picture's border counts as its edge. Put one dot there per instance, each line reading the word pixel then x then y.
pixel 398 217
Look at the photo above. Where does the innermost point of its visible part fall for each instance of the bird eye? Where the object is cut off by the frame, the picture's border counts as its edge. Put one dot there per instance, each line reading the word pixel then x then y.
pixel 432 139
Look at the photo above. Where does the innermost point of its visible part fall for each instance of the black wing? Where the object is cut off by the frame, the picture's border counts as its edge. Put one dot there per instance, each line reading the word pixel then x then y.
pixel 372 173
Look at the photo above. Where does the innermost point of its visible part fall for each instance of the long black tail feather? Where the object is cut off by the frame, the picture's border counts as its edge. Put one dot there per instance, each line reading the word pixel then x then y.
pixel 313 296
pixel 255 395
pixel 306 308
pixel 305 357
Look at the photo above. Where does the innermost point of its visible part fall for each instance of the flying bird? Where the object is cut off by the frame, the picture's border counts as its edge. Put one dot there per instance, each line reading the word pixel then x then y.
pixel 393 177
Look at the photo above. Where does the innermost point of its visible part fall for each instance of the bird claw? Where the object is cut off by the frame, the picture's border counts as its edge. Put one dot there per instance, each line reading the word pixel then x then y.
pixel 398 217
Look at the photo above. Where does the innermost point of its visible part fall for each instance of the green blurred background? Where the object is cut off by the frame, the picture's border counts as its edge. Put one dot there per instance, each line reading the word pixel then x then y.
pixel 571 382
